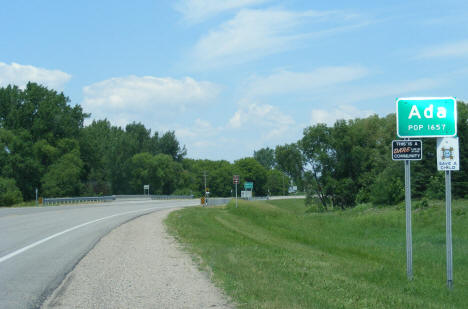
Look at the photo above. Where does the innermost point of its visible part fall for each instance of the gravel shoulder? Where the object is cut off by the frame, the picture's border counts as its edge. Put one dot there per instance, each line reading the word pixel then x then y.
pixel 137 265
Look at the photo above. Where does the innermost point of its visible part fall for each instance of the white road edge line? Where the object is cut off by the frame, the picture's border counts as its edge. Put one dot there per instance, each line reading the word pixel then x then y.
pixel 37 243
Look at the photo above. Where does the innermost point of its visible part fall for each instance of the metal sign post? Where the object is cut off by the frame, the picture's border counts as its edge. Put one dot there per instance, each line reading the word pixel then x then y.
pixel 235 180
pixel 236 195
pixel 448 227
pixel 409 239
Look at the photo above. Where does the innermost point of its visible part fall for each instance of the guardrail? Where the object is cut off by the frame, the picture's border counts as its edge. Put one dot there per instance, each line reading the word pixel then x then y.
pixel 171 197
pixel 216 201
pixel 154 197
pixel 75 200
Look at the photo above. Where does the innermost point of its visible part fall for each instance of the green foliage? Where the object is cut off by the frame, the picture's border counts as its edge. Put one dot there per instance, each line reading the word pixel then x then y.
pixel 250 170
pixel 388 187
pixel 44 144
pixel 63 176
pixel 290 161
pixel 350 162
pixel 277 182
pixel 422 204
pixel 436 187
pixel 9 192
pixel 266 157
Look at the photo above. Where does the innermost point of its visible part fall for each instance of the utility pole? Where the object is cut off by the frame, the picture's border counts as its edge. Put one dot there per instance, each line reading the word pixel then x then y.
pixel 283 184
pixel 204 175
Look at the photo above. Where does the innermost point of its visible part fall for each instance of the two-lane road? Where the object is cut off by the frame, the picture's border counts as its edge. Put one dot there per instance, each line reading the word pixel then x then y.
pixel 39 246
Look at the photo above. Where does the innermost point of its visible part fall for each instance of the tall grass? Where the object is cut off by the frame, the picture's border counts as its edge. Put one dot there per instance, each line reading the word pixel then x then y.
pixel 275 255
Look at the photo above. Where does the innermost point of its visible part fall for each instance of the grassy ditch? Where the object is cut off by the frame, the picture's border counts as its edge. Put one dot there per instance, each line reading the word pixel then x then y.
pixel 275 255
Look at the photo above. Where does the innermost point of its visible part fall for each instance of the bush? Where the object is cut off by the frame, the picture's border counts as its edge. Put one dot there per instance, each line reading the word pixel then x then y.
pixel 424 203
pixel 436 187
pixel 388 188
pixel 9 192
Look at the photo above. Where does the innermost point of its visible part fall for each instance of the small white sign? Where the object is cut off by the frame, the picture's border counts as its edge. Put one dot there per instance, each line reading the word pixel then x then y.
pixel 448 158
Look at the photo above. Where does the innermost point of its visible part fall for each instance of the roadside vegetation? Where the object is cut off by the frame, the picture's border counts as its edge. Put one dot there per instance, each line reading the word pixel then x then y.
pixel 276 254
pixel 45 144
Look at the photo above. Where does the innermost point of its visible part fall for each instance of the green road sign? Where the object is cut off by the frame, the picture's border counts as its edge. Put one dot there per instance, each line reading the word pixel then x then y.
pixel 426 117
pixel 248 185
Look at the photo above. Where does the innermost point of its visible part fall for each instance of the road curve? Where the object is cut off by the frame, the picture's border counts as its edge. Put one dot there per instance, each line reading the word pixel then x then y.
pixel 40 245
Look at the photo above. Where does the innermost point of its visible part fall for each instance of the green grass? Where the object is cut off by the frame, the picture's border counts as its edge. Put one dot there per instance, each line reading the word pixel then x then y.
pixel 274 255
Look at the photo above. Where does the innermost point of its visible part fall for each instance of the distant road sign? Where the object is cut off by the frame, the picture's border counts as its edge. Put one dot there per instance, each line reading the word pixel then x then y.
pixel 235 179
pixel 407 150
pixel 248 185
pixel 426 117
pixel 448 158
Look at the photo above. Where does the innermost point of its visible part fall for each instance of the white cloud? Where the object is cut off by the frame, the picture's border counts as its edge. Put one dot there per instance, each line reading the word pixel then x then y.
pixel 20 75
pixel 263 118
pixel 329 116
pixel 455 49
pixel 139 95
pixel 200 129
pixel 199 10
pixel 374 91
pixel 255 33
pixel 287 82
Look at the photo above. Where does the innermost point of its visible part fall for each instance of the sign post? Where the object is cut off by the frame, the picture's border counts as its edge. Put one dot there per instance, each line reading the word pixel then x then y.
pixel 235 180
pixel 407 150
pixel 448 227
pixel 409 237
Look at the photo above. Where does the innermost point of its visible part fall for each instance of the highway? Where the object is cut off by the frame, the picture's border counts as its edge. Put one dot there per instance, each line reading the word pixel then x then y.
pixel 39 246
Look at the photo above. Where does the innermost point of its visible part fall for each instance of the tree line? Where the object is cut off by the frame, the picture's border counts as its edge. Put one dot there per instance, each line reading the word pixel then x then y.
pixel 44 144
pixel 350 163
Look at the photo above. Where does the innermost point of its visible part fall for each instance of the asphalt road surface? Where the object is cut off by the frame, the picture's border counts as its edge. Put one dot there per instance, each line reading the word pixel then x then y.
pixel 39 246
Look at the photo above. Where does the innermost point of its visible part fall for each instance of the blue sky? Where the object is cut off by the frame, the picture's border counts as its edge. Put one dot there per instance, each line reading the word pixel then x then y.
pixel 234 76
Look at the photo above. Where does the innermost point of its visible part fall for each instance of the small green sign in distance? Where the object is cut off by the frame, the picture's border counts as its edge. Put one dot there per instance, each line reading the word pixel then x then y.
pixel 248 185
pixel 426 117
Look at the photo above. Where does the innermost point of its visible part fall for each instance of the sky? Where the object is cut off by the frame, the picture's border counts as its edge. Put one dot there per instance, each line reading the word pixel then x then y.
pixel 234 76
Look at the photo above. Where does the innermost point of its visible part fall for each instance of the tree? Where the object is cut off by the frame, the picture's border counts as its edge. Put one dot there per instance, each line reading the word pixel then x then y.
pixel 63 178
pixel 316 146
pixel 159 171
pixel 290 160
pixel 9 192
pixel 251 171
pixel 277 182
pixel 388 187
pixel 266 157
pixel 169 145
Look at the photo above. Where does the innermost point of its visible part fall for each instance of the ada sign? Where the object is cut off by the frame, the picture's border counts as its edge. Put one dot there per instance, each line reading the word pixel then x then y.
pixel 447 154
pixel 426 117
pixel 406 150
